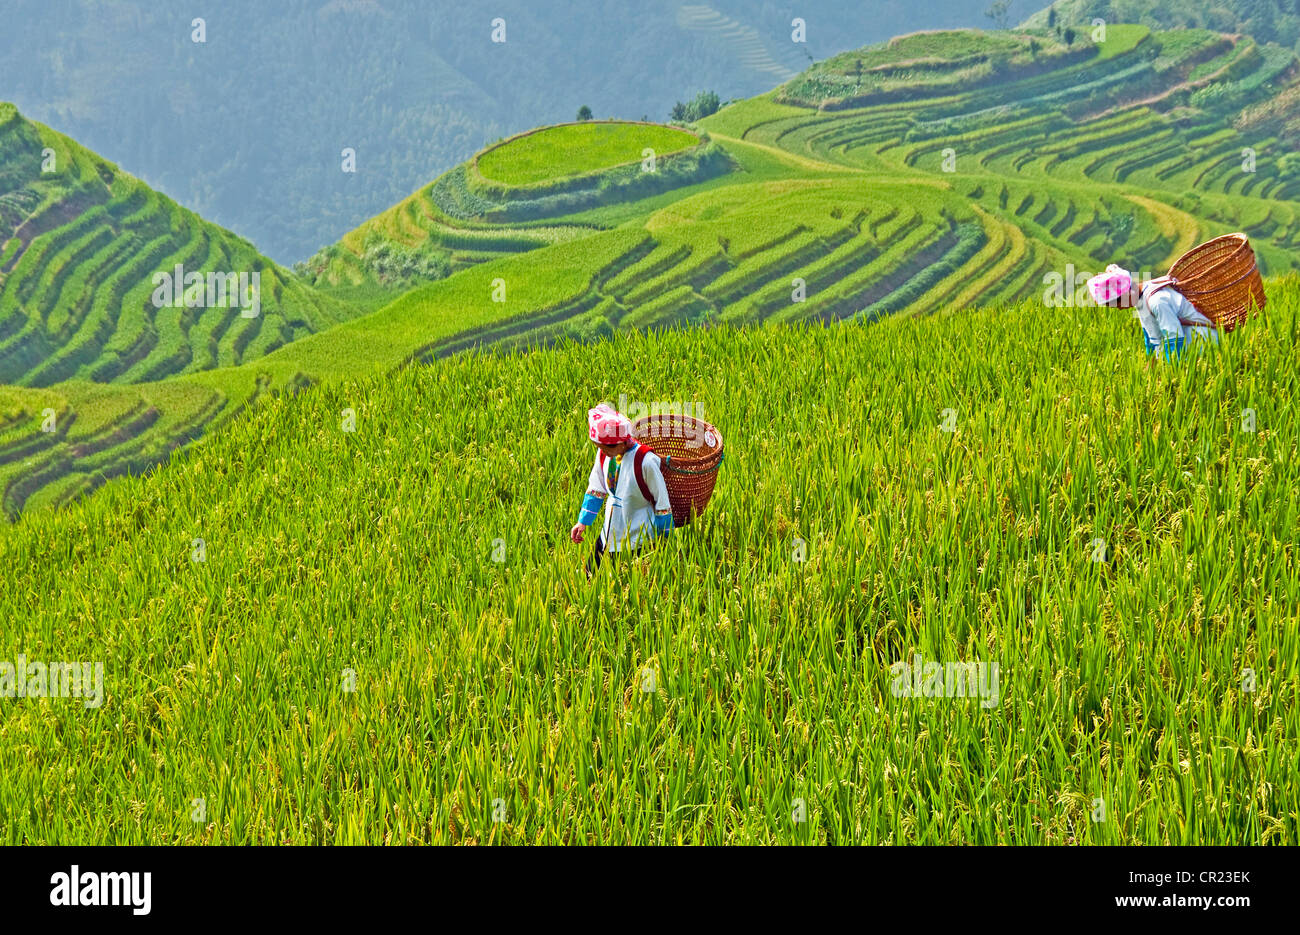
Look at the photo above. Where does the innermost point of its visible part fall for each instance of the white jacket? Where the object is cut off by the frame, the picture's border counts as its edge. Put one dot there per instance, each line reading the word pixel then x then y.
pixel 1168 315
pixel 629 517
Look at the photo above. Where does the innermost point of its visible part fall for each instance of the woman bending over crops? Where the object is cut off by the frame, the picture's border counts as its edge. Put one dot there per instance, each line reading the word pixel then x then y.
pixel 1168 320
pixel 639 508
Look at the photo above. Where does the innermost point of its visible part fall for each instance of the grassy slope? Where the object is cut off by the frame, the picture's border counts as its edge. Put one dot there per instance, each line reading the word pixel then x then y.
pixel 927 63
pixel 372 551
pixel 575 149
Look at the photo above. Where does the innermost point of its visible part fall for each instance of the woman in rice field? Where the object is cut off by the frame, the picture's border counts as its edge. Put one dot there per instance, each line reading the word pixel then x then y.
pixel 628 475
pixel 1168 319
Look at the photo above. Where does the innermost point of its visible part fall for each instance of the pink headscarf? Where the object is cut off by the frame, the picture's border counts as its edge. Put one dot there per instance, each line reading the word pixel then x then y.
pixel 605 426
pixel 1108 286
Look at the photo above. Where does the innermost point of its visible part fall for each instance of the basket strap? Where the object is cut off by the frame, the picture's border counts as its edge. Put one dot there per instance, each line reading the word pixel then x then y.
pixel 1161 282
pixel 641 451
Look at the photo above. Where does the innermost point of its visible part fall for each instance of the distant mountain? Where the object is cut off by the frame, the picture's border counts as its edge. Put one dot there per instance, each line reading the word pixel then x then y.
pixel 248 127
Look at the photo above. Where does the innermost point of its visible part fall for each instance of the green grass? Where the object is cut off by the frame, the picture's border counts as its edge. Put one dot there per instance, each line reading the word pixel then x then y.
pixel 1120 39
pixel 576 149
pixel 412 327
pixel 371 552
pixel 938 51
pixel 929 63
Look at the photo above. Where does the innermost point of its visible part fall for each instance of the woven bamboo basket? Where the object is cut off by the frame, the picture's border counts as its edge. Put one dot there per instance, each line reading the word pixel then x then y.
pixel 1221 278
pixel 691 450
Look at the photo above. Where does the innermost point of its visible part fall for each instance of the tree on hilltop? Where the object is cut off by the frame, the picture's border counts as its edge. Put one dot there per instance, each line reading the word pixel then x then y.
pixel 998 13
pixel 703 104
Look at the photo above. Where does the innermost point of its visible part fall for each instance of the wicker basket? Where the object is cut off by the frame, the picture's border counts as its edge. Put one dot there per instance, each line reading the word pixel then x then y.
pixel 1221 278
pixel 691 450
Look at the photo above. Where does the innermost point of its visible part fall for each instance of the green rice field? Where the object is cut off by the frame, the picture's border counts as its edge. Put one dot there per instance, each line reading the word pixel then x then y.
pixel 577 148
pixel 321 554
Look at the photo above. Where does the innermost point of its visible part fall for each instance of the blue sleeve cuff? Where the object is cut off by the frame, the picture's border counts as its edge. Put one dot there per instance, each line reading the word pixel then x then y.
pixel 591 505
pixel 663 523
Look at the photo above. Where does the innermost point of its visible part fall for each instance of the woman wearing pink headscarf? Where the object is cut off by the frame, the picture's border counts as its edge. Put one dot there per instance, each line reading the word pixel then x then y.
pixel 639 509
pixel 1168 320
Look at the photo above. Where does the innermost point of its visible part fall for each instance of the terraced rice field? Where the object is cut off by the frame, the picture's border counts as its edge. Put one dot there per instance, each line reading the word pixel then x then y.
pixel 745 44
pixel 928 64
pixel 781 212
pixel 82 241
pixel 1116 121
pixel 812 277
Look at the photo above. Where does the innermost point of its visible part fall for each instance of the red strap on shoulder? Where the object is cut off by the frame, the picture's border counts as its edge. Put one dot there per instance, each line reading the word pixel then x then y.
pixel 641 452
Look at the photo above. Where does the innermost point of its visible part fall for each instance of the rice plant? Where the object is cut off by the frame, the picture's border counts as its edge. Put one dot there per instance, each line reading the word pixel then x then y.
pixel 355 615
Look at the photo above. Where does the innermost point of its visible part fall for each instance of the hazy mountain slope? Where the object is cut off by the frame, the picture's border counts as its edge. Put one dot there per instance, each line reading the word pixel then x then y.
pixel 247 129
